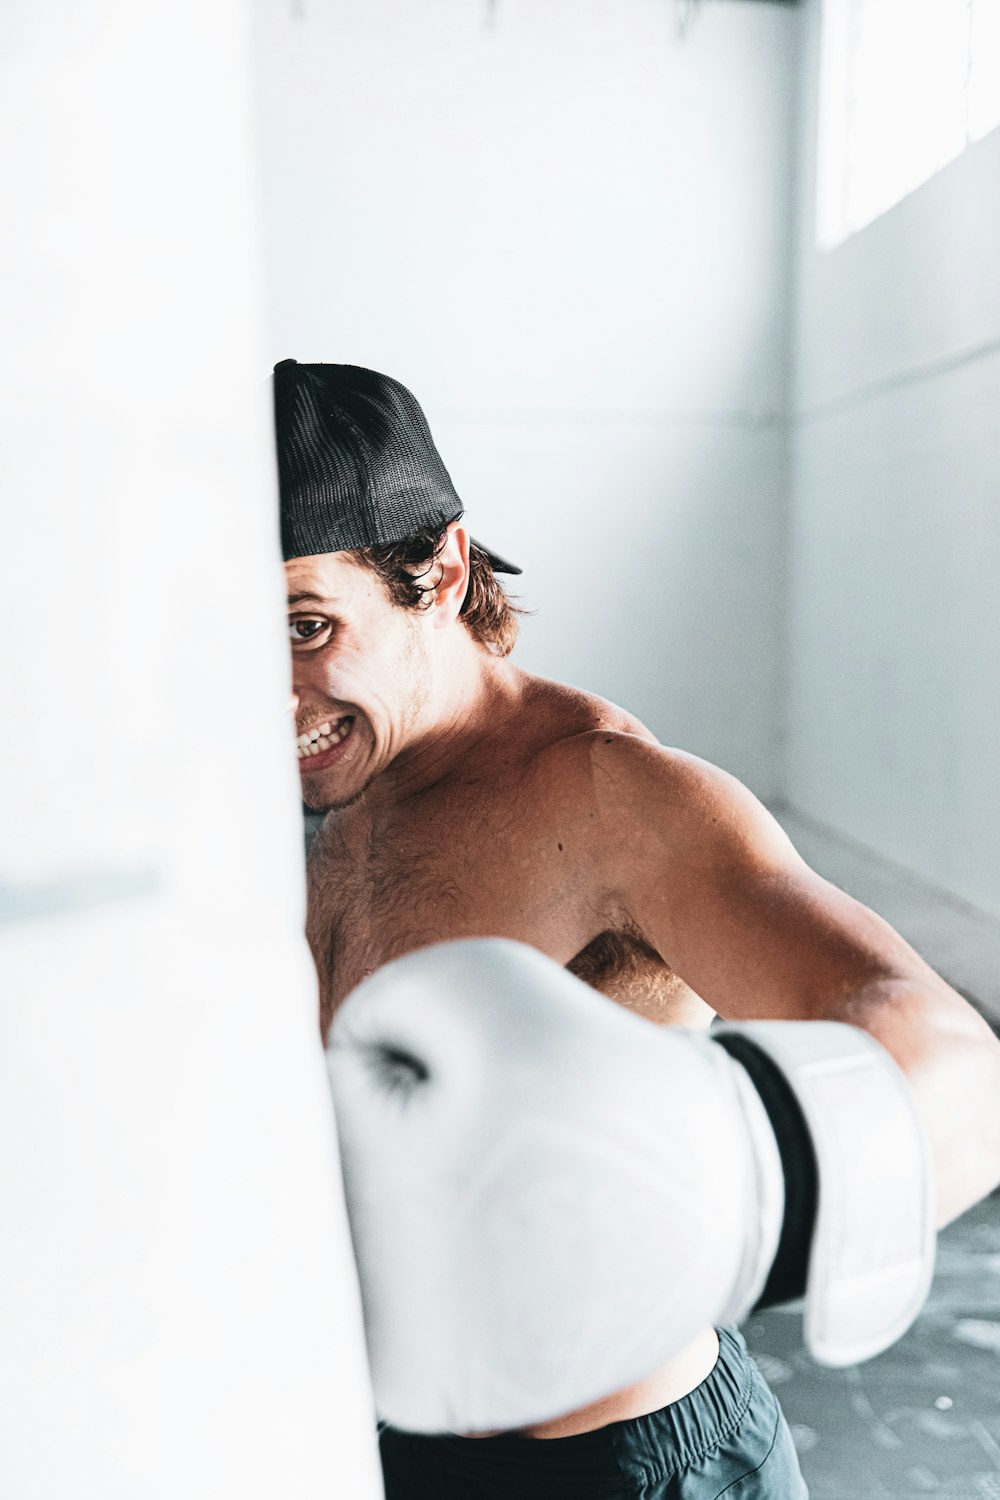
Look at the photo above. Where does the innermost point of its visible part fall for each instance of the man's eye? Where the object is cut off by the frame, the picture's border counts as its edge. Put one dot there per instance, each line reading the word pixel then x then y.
pixel 304 631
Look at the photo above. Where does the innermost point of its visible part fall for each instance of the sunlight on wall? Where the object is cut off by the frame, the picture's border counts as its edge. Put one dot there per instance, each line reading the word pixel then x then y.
pixel 905 89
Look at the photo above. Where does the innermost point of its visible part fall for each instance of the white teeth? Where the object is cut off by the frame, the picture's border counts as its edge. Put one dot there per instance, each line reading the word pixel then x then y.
pixel 323 737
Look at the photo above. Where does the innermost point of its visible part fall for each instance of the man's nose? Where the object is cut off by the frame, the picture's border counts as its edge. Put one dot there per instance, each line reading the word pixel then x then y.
pixel 293 703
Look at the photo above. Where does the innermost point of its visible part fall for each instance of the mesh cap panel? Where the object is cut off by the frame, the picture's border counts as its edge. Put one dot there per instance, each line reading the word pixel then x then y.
pixel 357 466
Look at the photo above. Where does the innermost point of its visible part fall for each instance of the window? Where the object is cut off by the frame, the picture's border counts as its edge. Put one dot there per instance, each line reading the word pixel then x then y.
pixel 905 86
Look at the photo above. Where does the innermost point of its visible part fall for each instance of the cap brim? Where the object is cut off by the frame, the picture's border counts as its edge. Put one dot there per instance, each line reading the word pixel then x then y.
pixel 497 563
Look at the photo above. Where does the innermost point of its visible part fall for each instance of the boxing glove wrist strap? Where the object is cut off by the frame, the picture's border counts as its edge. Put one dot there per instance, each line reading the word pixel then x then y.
pixel 870 1254
pixel 787 1277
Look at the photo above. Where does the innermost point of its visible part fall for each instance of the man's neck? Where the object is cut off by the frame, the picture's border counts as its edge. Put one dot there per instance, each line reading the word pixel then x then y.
pixel 474 695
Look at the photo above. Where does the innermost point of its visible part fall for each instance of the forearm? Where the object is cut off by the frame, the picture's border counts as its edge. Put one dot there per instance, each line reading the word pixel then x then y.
pixel 952 1061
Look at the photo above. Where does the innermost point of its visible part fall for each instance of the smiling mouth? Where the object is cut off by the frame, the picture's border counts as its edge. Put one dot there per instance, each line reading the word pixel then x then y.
pixel 324 737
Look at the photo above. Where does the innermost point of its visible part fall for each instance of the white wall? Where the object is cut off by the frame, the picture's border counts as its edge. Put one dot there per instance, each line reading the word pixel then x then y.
pixel 567 232
pixel 894 625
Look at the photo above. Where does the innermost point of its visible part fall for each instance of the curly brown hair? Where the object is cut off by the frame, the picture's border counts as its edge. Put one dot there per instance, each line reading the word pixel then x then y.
pixel 407 570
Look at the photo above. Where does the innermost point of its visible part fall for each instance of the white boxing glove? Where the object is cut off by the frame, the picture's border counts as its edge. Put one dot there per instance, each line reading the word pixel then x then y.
pixel 549 1196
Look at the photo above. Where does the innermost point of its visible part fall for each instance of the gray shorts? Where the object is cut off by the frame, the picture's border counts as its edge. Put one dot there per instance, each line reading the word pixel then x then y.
pixel 728 1437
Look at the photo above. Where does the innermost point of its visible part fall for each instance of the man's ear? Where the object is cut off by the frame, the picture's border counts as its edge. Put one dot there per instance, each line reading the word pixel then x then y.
pixel 453 584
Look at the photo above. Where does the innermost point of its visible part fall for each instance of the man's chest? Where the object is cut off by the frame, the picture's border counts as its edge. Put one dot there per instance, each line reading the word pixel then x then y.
pixel 377 893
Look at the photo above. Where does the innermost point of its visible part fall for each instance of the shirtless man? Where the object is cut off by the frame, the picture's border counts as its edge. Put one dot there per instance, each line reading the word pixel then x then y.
pixel 468 798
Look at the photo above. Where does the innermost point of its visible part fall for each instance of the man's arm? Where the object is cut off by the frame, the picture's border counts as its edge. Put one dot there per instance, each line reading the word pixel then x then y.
pixel 693 860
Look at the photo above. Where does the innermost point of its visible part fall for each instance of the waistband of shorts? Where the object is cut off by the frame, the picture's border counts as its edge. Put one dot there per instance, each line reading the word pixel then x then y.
pixel 581 1464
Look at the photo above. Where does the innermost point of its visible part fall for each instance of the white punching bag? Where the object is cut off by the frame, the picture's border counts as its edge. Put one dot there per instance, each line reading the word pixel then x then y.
pixel 179 1312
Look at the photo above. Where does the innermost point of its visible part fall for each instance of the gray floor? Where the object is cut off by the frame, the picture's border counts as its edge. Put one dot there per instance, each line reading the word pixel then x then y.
pixel 923 1418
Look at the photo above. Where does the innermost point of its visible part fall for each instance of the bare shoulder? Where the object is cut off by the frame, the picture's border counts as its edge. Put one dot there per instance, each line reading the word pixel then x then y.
pixel 570 728
pixel 648 799
pixel 568 712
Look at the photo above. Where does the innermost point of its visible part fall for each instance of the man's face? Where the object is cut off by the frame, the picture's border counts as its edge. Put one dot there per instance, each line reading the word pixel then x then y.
pixel 360 673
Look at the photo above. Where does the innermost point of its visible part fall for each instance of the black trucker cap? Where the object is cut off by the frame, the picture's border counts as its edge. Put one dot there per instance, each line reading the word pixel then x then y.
pixel 357 466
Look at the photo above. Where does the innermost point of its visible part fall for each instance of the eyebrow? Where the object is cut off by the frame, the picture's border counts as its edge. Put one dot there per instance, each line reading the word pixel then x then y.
pixel 316 598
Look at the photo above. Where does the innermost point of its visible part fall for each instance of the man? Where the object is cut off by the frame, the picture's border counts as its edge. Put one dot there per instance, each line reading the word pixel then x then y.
pixel 468 799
